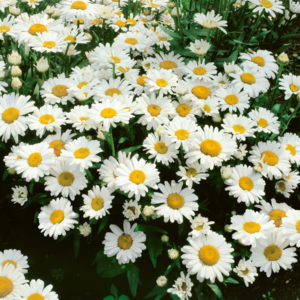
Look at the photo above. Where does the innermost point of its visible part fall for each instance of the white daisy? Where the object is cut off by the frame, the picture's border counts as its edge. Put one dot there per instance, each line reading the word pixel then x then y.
pixel 182 287
pixel 20 195
pixel 126 244
pixel 175 202
pixel 209 107
pixel 199 47
pixel 131 210
pixel 210 20
pixel 169 61
pixel 251 227
pixel 200 225
pixel 288 184
pixel 269 6
pixel 208 256
pixel 246 270
pixel 57 218
pixel 291 227
pixel 290 84
pixel 200 70
pixel 80 118
pixel 245 184
pixel 291 143
pixel 186 109
pixel 272 253
pixel 15 258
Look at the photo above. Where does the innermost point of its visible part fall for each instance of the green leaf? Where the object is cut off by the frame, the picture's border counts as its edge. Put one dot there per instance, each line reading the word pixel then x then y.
pixel 123 139
pixel 171 33
pixel 133 278
pixel 131 149
pixel 109 298
pixel 124 297
pixel 154 247
pixel 114 290
pixel 102 224
pixel 216 290
pixel 157 291
pixel 231 280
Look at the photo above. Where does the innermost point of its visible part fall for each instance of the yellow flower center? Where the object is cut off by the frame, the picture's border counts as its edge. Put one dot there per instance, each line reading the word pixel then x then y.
pixel 162 38
pixel 83 119
pixel 81 84
pixel 115 59
pixel 108 113
pixel 57 216
pixel 281 185
pixel 168 64
pixel 183 110
pixel 137 176
pixel 258 60
pixel 248 78
pixel 294 88
pixel 182 134
pixel 161 82
pixel 270 158
pixel 160 147
pixel 123 70
pixel 35 296
pixel 120 23
pixel 246 183
pixel 46 119
pixel 82 153
pixel 10 115
pixel 154 110
pixel 239 128
pixel 206 108
pixel 191 172
pixel 175 201
pixel 291 148
pixel 251 227
pixel 199 227
pixel 49 44
pixel 231 99
pixel 298 225
pixel 6 286
pixel 131 41
pixel 111 92
pixel 245 272
pixel 70 38
pixel 131 22
pixel 34 159
pixel 9 261
pixel 210 147
pixel 97 203
pixel 266 3
pixel 65 178
pixel 276 215
pixel 79 5
pixel 37 28
pixel 272 252
pixel 199 71
pixel 125 241
pixel 142 80
pixel 57 146
pixel 60 90
pixel 201 91
pixel 4 28
pixel 209 255
pixel 262 122
pixel 97 21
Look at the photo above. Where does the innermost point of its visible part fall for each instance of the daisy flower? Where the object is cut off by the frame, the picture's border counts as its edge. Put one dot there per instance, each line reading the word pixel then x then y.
pixel 109 112
pixel 174 202
pixel 240 127
pixel 288 184
pixel 185 108
pixel 209 107
pixel 200 225
pixel 290 84
pixel 199 47
pixel 291 227
pixel 20 195
pixel 271 254
pixel 192 173
pixel 13 111
pixel 154 110
pixel 251 227
pixel 35 161
pixel 263 60
pixel 182 132
pixel 212 147
pixel 208 256
pixel 245 184
pixel 82 152
pixel 80 118
pixel 291 143
pixel 200 70
pixel 132 40
pixel 265 120
pixel 275 210
pixel 246 270
pixel 135 176
pixel 36 289
pixel 162 81
pixel 65 180
pixel 250 80
pixel 210 21
pixel 201 89
pixel 57 218
pixel 269 6
pixel 161 148
pixel 97 202
pixel 5 26
pixel 232 99
pixel 46 118
pixel 131 210
pixel 272 159
pixel 169 61
pixel 15 258
pixel 126 244
pixel 182 287
pixel 11 282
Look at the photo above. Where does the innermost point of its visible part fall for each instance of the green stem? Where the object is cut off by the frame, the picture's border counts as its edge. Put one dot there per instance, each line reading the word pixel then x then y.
pixel 113 150
pixel 254 27
pixel 275 86
pixel 292 116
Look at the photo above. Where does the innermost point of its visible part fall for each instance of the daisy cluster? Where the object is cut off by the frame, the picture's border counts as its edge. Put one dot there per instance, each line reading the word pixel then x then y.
pixel 13 283
pixel 182 119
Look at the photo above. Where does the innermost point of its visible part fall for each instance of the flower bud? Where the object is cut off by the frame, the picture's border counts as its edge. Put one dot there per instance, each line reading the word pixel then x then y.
pixel 42 65
pixel 148 211
pixel 216 118
pixel 15 71
pixel 227 229
pixel 16 83
pixel 226 172
pixel 164 238
pixel 85 229
pixel 88 36
pixel 171 4
pixel 14 58
pixel 283 58
pixel 14 10
pixel 161 281
pixel 11 171
pixel 173 254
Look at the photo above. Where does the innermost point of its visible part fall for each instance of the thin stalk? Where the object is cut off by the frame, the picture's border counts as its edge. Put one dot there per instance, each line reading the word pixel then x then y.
pixel 275 86
pixel 113 150
pixel 292 116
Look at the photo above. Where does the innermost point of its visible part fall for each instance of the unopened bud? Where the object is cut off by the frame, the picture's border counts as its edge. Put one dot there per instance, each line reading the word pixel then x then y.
pixel 42 65
pixel 11 171
pixel 14 58
pixel 164 238
pixel 148 211
pixel 161 281
pixel 227 229
pixel 283 58
pixel 173 254
pixel 15 71
pixel 16 83
pixel 226 172
pixel 14 10
pixel 216 118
